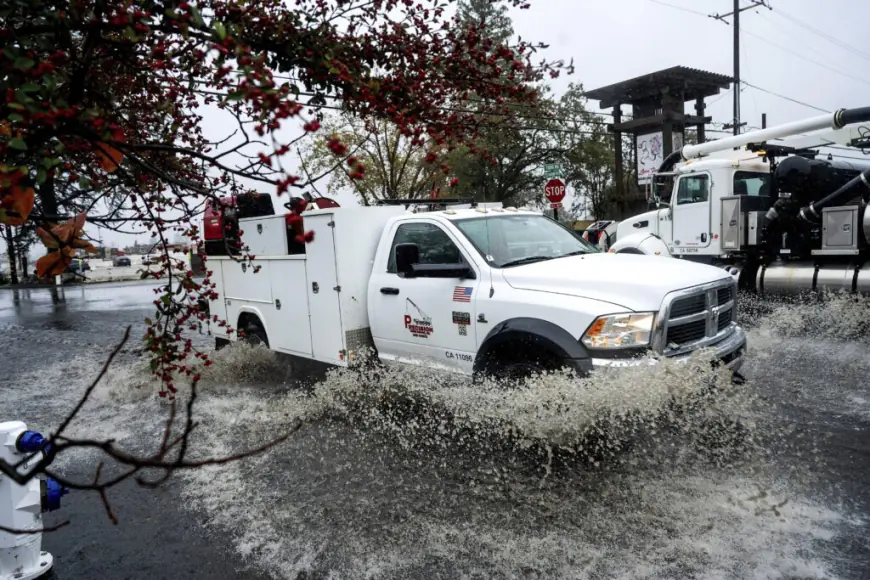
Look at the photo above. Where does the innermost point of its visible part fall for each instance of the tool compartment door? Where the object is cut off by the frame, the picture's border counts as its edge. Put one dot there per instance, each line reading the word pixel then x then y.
pixel 218 307
pixel 290 329
pixel 691 212
pixel 327 334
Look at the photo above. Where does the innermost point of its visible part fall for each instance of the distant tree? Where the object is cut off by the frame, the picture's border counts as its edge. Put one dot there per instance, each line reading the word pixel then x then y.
pixel 491 17
pixel 383 163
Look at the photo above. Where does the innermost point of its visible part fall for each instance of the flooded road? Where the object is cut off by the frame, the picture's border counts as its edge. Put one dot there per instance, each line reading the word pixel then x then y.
pixel 411 475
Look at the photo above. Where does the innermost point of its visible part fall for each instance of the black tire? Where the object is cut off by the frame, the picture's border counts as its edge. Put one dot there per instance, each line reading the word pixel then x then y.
pixel 255 335
pixel 220 343
pixel 516 364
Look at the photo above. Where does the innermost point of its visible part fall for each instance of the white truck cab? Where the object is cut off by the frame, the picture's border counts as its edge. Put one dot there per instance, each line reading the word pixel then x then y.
pixel 693 223
pixel 767 206
pixel 490 290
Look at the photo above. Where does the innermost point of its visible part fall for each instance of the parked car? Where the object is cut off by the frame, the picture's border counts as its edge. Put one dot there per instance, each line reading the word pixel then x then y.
pixel 78 265
pixel 121 261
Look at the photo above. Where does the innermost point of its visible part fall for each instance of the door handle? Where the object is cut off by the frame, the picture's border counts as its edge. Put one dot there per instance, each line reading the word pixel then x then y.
pixel 394 291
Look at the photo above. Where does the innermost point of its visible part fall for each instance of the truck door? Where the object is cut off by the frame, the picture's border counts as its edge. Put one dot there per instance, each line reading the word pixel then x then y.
pixel 421 320
pixel 691 213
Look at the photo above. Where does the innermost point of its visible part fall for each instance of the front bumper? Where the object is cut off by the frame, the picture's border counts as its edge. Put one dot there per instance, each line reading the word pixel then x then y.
pixel 731 351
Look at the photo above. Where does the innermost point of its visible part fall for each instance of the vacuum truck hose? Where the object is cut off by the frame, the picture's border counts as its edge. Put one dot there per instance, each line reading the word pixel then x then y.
pixel 812 212
pixel 845 117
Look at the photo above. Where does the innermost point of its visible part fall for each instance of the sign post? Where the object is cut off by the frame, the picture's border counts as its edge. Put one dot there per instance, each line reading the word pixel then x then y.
pixel 554 191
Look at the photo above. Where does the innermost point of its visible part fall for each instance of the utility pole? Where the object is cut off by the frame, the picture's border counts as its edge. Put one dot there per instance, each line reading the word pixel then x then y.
pixel 735 123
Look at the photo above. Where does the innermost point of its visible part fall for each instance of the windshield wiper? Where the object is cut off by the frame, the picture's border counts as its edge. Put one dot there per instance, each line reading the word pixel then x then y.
pixel 526 260
pixel 574 253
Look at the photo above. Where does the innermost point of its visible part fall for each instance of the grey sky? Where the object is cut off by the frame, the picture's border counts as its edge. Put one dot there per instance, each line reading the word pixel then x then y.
pixel 619 39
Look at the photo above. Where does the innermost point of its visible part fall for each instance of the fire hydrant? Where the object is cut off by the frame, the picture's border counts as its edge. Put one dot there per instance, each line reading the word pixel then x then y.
pixel 22 506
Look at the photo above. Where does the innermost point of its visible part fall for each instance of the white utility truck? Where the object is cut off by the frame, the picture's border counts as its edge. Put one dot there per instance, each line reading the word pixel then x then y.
pixel 480 290
pixel 777 217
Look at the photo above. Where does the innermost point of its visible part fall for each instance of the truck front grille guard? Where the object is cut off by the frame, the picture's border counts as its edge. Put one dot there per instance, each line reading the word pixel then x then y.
pixel 695 317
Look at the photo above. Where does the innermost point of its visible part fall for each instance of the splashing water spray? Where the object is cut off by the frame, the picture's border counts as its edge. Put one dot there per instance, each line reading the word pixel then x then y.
pixel 22 506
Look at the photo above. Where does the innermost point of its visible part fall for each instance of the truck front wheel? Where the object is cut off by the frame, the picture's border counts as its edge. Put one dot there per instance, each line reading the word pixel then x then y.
pixel 516 364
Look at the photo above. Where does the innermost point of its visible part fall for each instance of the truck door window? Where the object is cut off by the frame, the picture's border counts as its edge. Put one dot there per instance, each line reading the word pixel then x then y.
pixel 434 244
pixel 693 189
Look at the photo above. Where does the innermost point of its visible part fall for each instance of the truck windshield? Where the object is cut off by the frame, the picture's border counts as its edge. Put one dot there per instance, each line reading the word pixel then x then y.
pixel 751 183
pixel 512 240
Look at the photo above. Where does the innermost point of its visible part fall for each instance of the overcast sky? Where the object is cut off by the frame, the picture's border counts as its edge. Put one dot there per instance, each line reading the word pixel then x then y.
pixel 787 50
pixel 621 39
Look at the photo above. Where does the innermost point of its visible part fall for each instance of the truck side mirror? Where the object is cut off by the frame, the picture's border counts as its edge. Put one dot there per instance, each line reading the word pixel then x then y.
pixel 406 256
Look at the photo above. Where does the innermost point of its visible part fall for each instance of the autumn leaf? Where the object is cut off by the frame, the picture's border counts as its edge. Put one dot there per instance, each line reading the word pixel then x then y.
pixel 70 229
pixel 16 205
pixel 4 129
pixel 84 245
pixel 108 156
pixel 48 240
pixel 54 263
pixel 67 235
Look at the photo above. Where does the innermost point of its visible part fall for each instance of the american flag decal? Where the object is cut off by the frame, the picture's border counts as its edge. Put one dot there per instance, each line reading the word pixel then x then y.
pixel 462 294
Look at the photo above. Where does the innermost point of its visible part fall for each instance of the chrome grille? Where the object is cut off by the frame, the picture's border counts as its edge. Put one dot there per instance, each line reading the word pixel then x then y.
pixel 695 317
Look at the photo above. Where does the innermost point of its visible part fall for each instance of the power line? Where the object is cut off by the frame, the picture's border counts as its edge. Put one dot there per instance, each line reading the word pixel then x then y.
pixel 756 87
pixel 823 35
pixel 675 7
pixel 806 58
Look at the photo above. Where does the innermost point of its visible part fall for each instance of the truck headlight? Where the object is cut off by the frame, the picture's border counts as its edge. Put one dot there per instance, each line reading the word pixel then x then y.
pixel 615 331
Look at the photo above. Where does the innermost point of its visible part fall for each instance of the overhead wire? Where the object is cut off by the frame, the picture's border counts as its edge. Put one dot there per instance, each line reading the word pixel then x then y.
pixel 806 58
pixel 833 40
pixel 756 87
pixel 790 51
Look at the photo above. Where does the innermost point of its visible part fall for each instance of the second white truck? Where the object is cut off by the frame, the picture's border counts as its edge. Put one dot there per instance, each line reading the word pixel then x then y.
pixel 482 290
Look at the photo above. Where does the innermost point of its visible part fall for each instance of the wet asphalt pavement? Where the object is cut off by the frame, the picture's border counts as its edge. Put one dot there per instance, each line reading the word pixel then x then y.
pixel 350 499
pixel 155 537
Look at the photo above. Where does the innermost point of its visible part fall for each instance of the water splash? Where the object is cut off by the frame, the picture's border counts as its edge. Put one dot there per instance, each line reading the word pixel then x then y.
pixel 403 473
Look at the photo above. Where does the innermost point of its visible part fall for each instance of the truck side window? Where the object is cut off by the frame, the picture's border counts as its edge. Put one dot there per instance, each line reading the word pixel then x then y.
pixel 751 183
pixel 693 189
pixel 435 245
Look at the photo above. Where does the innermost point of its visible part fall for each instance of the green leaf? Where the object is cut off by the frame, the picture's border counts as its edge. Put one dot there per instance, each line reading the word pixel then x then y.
pixel 23 63
pixel 18 143
pixel 149 322
pixel 84 182
pixel 17 106
pixel 29 88
pixel 236 96
pixel 220 30
pixel 41 175
pixel 14 117
pixel 197 16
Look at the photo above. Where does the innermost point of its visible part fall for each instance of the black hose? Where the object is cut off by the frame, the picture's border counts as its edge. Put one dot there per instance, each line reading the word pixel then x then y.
pixel 813 211
pixel 671 160
pixel 845 117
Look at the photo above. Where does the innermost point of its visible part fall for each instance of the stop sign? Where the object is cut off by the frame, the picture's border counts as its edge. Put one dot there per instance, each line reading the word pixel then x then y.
pixel 554 190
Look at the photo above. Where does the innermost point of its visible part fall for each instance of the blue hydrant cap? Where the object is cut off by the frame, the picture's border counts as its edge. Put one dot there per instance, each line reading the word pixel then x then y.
pixel 53 492
pixel 30 441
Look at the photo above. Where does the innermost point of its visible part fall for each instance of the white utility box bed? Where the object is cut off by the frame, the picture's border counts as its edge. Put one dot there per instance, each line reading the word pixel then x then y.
pixel 312 304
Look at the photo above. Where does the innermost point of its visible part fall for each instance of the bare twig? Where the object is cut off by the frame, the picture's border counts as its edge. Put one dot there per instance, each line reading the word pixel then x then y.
pixel 17 531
